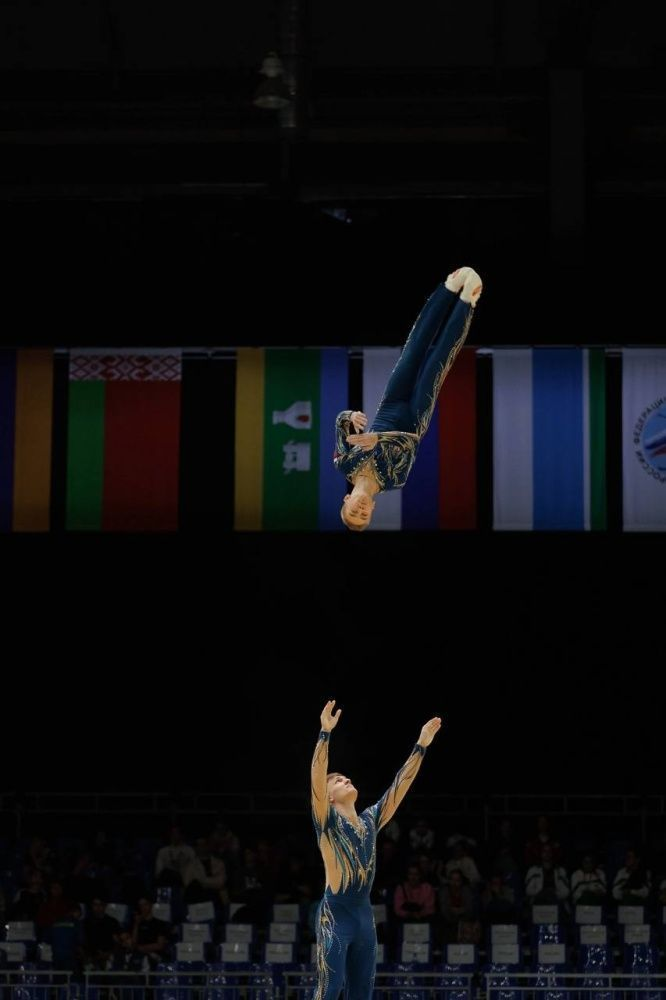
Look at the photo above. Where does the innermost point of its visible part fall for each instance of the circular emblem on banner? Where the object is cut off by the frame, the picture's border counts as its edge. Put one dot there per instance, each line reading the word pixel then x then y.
pixel 650 439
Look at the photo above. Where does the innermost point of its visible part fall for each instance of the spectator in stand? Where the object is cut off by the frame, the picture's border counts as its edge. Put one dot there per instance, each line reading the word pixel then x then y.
pixel 455 837
pixel 546 882
pixel 55 907
pixel 498 903
pixel 125 958
pixel 254 890
pixel 588 883
pixel 223 842
pixel 172 859
pixel 29 899
pixel 632 883
pixel 101 934
pixel 504 845
pixel 39 858
pixel 414 899
pixel 421 837
pixel 431 869
pixel 541 839
pixel 88 879
pixel 456 902
pixel 205 877
pixel 150 936
pixel 294 884
pixel 462 861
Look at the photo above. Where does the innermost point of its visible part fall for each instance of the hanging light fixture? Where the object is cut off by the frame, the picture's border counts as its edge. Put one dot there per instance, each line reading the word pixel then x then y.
pixel 272 93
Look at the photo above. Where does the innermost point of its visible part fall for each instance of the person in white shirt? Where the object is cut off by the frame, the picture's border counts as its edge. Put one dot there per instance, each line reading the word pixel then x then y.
pixel 632 883
pixel 463 862
pixel 172 859
pixel 588 883
pixel 547 882
pixel 422 837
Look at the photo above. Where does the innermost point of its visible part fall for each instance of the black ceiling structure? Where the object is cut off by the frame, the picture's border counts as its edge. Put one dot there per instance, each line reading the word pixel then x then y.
pixel 146 199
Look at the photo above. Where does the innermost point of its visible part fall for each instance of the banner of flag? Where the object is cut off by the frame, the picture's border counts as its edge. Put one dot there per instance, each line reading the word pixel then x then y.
pixel 26 417
pixel 441 491
pixel 123 439
pixel 286 404
pixel 109 438
pixel 549 442
pixel 644 439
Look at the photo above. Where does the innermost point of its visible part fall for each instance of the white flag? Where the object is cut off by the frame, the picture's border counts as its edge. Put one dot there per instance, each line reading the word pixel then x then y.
pixel 644 439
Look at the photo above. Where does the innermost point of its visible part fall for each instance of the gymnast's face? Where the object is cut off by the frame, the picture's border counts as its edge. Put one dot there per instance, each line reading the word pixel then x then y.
pixel 340 789
pixel 357 510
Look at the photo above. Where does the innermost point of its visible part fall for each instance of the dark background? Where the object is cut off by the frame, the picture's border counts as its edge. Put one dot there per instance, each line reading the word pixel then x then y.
pixel 144 200
pixel 204 662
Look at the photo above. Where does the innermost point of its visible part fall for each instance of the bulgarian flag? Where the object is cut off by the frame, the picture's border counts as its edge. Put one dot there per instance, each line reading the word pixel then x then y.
pixel 286 404
pixel 123 440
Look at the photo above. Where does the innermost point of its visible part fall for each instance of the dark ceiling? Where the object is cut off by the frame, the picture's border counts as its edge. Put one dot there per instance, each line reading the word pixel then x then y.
pixel 145 199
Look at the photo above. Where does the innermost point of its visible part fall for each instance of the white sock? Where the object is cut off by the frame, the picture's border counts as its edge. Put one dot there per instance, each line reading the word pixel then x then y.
pixel 456 280
pixel 472 288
